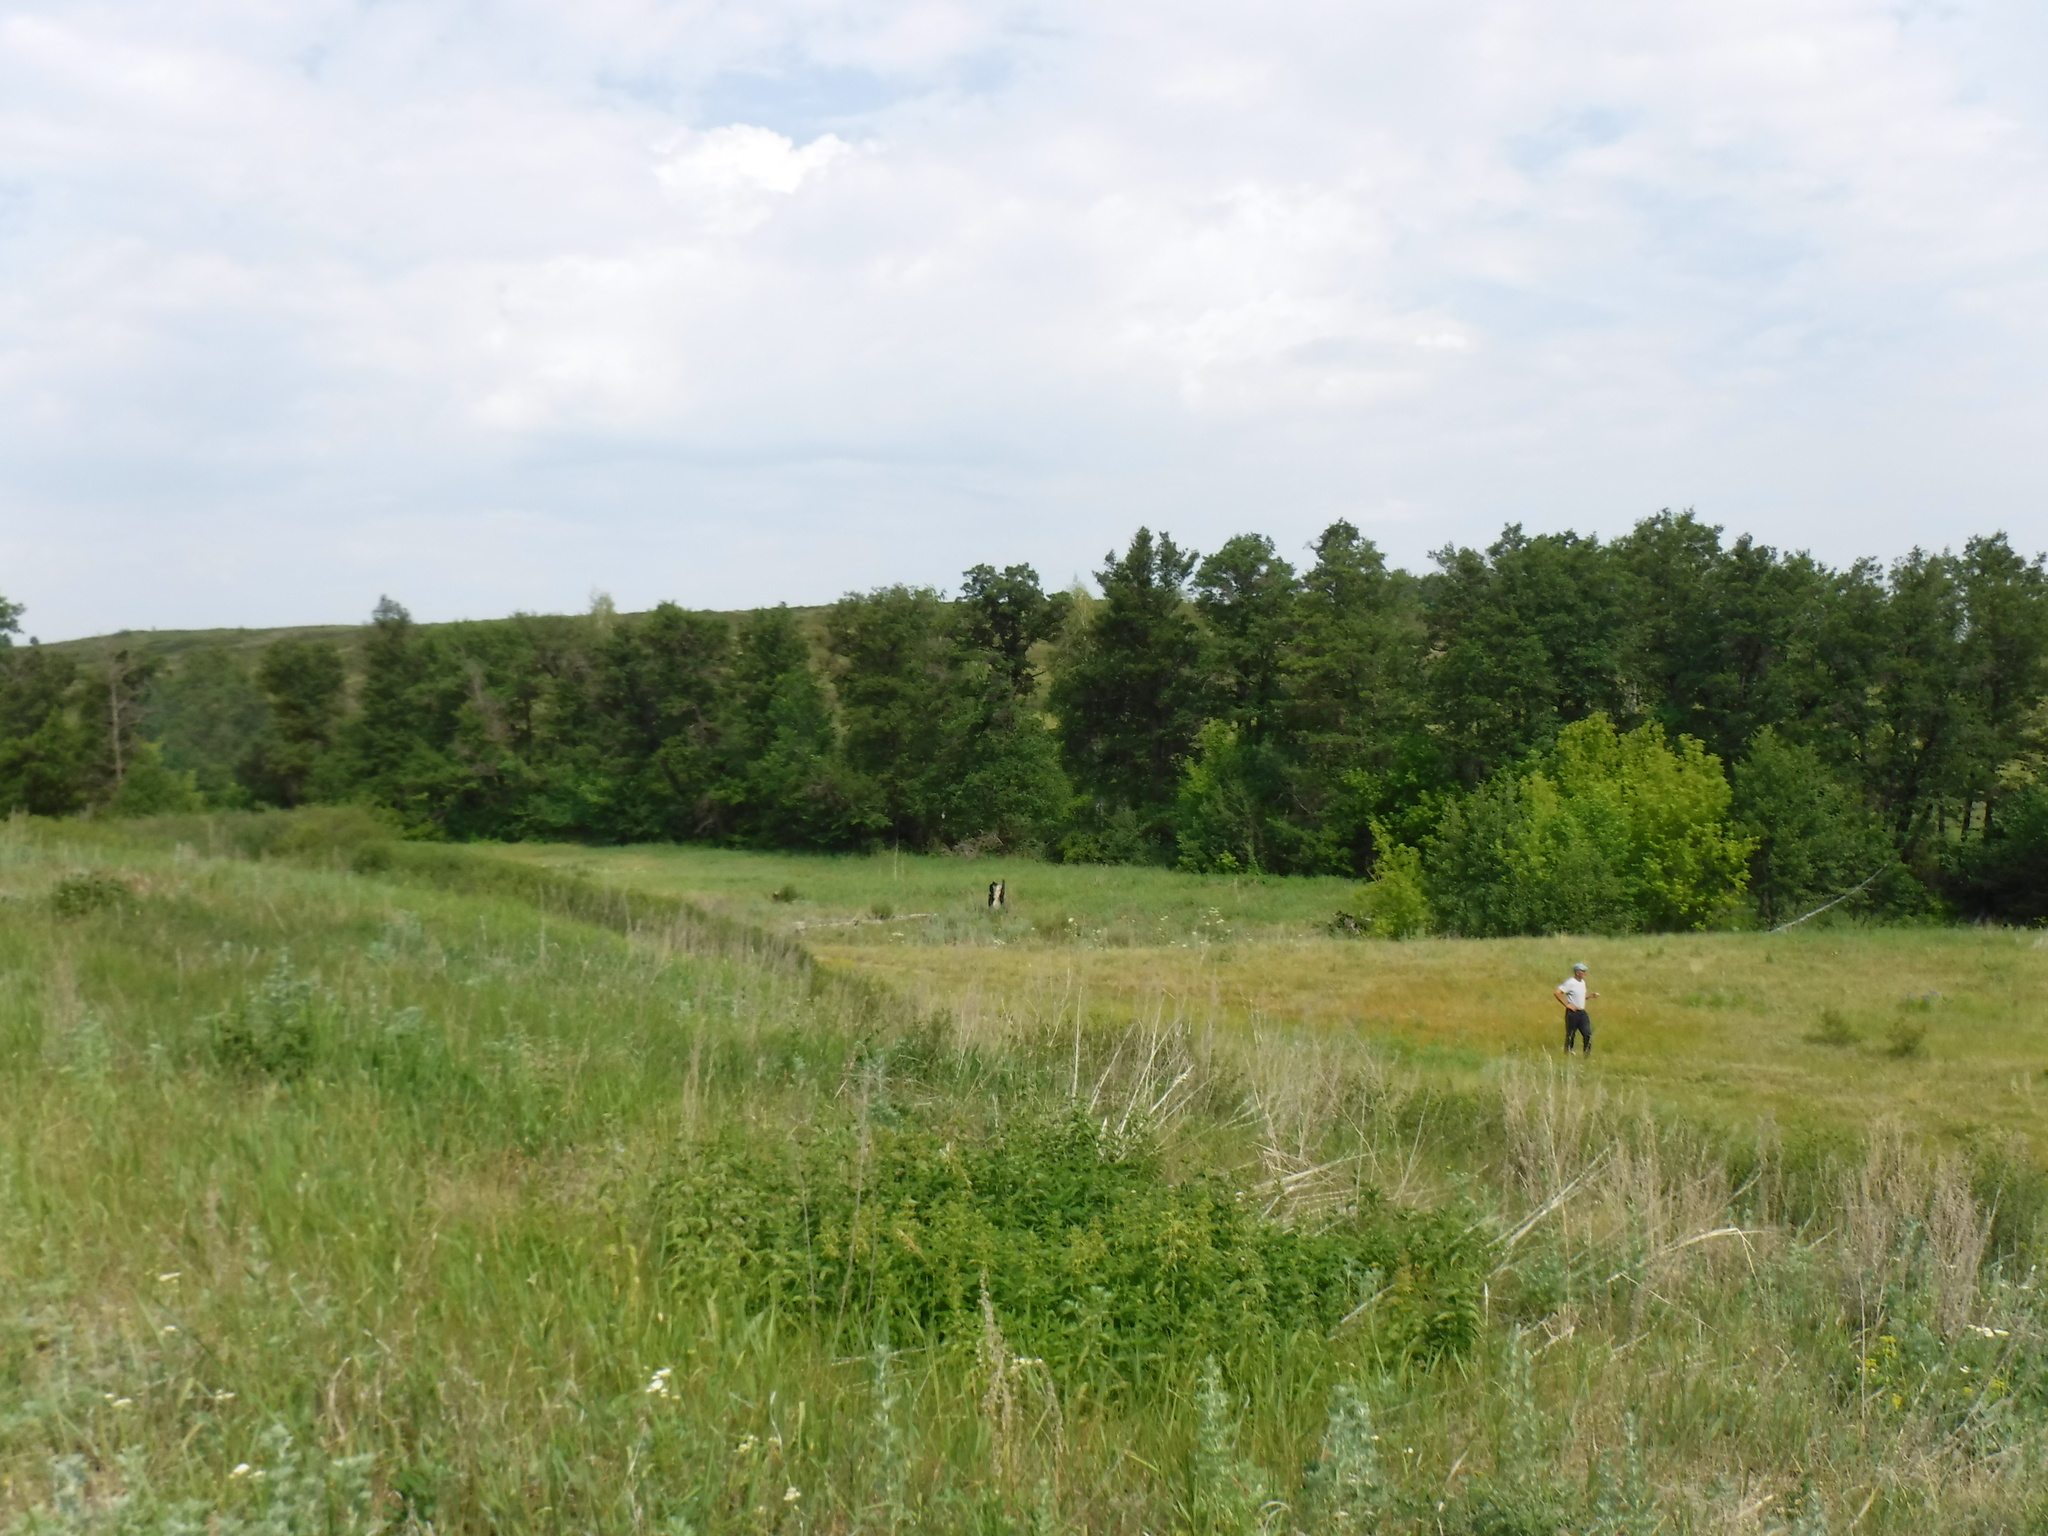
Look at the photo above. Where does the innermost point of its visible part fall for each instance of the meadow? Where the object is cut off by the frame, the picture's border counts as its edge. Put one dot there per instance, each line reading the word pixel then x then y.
pixel 1943 1028
pixel 353 1185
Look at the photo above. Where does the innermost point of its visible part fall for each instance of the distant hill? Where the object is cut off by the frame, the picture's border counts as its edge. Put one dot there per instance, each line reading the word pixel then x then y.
pixel 172 644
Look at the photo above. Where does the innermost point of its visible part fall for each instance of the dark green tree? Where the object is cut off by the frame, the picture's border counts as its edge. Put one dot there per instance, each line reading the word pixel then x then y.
pixel 291 761
pixel 50 753
pixel 1130 697
pixel 1004 614
pixel 661 686
pixel 1815 838
pixel 1356 730
pixel 206 713
pixel 781 787
pixel 1529 636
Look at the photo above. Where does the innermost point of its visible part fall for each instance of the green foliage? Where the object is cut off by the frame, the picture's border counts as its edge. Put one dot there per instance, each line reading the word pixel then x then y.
pixel 50 738
pixel 1226 713
pixel 1812 838
pixel 151 787
pixel 1834 1028
pixel 207 714
pixel 1609 832
pixel 83 894
pixel 271 1029
pixel 290 760
pixel 1093 1259
pixel 2004 874
pixel 1219 821
pixel 277 1494
pixel 1394 904
pixel 1130 696
pixel 1524 638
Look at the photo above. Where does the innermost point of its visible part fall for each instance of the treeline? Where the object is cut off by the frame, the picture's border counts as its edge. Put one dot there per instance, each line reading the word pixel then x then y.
pixel 1555 733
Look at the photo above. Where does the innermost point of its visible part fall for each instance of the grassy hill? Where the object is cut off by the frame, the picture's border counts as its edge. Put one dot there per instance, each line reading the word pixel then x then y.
pixel 174 644
pixel 354 1185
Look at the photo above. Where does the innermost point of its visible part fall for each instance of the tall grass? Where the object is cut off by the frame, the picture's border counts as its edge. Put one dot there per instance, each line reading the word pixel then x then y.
pixel 339 1183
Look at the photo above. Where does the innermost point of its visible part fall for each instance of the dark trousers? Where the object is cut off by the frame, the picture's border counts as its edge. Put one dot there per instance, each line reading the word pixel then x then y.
pixel 1576 1023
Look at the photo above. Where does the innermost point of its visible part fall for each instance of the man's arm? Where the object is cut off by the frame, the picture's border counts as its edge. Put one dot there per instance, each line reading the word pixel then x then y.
pixel 1559 994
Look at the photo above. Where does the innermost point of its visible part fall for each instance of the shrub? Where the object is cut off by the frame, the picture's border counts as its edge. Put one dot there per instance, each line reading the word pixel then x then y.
pixel 1833 1029
pixel 270 1032
pixel 1393 905
pixel 81 895
pixel 1091 1258
pixel 1906 1038
pixel 1609 832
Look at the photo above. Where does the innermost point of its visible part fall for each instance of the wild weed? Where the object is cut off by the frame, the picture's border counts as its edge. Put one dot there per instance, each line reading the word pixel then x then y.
pixel 1833 1029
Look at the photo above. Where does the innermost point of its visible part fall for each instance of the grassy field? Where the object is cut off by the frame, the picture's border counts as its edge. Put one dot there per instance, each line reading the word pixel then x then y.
pixel 1943 1028
pixel 920 899
pixel 350 1186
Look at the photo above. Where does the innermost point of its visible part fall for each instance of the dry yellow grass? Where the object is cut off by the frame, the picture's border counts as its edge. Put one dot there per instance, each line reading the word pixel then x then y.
pixel 1729 1025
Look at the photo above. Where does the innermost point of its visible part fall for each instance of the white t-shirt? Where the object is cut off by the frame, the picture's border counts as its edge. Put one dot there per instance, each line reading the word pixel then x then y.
pixel 1574 989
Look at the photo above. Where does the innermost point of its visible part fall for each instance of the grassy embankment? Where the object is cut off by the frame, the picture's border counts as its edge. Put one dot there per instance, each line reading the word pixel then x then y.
pixel 358 1185
pixel 1943 1028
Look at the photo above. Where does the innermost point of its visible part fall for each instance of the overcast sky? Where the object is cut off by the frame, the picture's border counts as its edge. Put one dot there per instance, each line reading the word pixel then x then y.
pixel 488 306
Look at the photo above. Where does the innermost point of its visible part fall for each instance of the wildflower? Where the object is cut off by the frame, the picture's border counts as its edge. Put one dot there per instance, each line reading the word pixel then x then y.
pixel 745 1446
pixel 170 1277
pixel 170 1327
pixel 124 1402
pixel 1990 1333
pixel 791 1495
pixel 241 1470
pixel 658 1385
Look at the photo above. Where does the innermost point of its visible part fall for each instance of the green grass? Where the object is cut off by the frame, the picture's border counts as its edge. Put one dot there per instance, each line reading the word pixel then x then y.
pixel 937 899
pixel 440 1189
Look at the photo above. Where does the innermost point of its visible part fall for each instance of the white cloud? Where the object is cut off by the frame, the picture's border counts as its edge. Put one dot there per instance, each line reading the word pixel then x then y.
pixel 731 303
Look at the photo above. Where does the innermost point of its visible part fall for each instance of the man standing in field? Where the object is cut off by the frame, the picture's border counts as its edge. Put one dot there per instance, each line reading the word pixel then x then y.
pixel 1573 994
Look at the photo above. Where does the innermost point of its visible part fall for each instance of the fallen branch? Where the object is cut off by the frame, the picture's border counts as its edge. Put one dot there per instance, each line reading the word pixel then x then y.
pixel 1816 912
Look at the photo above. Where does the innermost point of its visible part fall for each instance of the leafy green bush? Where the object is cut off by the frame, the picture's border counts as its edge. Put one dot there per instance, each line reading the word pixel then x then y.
pixel 1833 1029
pixel 270 1031
pixel 80 895
pixel 1393 904
pixel 1609 832
pixel 1091 1258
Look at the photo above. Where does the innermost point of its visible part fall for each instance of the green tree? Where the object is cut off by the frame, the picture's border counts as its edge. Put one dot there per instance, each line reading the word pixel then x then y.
pixel 1608 831
pixel 662 684
pixel 1531 635
pixel 50 754
pixel 207 715
pixel 303 684
pixel 780 784
pixel 1715 630
pixel 1004 614
pixel 1813 838
pixel 1234 784
pixel 1356 735
pixel 1130 696
pixel 903 708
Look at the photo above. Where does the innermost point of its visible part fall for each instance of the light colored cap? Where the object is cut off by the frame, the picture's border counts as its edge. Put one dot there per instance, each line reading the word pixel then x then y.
pixel 1579 967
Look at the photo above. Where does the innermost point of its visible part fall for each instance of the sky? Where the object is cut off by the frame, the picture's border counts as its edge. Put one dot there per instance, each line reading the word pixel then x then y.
pixel 495 306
